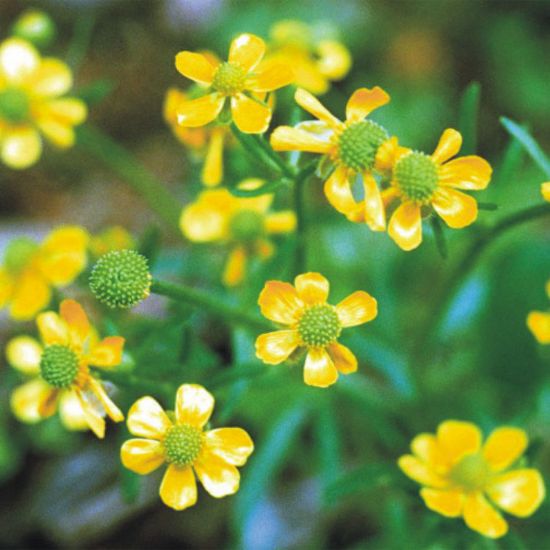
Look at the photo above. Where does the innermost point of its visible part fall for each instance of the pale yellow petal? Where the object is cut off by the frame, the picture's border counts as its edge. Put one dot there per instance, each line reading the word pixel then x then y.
pixel 52 78
pixel 235 267
pixel 201 111
pixel 233 445
pixel 280 222
pixel 60 134
pixel 280 303
pixel 426 447
pixel 53 329
pixel 142 456
pixel 447 503
pixel 30 402
pixel 18 60
pixel 343 358
pixel 206 220
pixel 358 308
pixel 194 405
pixel 250 115
pixel 20 147
pixel 270 77
pixel 334 59
pixel 539 324
pixel 457 438
pixel 217 476
pixel 375 214
pixel 212 171
pixel 545 190
pixel 480 516
pixel 178 489
pixel 195 66
pixel 76 319
pixel 24 353
pixel 363 101
pixel 312 288
pixel 504 446
pixel 421 472
pixel 405 226
pixel 338 191
pixel 448 146
pixel 6 287
pixel 113 412
pixel 93 417
pixel 312 105
pixel 71 413
pixel 107 353
pixel 146 418
pixel 470 173
pixel 286 138
pixel 275 347
pixel 247 50
pixel 456 208
pixel 30 295
pixel 319 369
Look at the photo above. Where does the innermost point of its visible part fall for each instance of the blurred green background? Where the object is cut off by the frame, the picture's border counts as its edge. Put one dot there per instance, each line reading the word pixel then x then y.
pixel 324 472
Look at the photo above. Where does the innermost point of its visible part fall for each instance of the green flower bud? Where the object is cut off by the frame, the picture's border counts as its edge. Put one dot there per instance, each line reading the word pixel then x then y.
pixel 35 26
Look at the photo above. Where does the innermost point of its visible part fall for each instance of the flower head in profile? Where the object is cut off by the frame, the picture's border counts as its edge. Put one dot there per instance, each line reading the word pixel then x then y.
pixel 179 440
pixel 30 269
pixel 538 322
pixel 32 104
pixel 464 477
pixel 316 57
pixel 311 323
pixel 60 371
pixel 244 223
pixel 350 148
pixel 422 183
pixel 237 80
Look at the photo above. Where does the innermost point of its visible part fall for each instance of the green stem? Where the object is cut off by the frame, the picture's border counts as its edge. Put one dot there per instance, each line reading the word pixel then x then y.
pixel 209 303
pixel 299 206
pixel 125 165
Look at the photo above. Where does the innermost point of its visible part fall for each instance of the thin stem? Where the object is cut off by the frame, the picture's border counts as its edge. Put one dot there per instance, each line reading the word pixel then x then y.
pixel 209 303
pixel 125 165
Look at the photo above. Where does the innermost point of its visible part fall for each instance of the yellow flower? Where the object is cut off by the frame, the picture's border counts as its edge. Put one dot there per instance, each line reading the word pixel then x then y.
pixel 31 269
pixel 112 238
pixel 462 477
pixel 210 138
pixel 31 103
pixel 420 181
pixel 243 223
pixel 316 60
pixel 313 324
pixel 539 322
pixel 545 190
pixel 352 147
pixel 232 79
pixel 60 368
pixel 179 440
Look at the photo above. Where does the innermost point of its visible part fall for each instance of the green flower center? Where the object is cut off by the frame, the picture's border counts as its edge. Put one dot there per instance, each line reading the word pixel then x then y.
pixel 247 225
pixel 471 473
pixel 229 79
pixel 182 444
pixel 59 366
pixel 121 278
pixel 14 105
pixel 319 325
pixel 359 143
pixel 18 254
pixel 416 176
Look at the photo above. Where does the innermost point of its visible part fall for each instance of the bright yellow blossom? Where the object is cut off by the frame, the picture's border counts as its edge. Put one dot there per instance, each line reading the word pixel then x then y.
pixel 312 323
pixel 539 322
pixel 112 238
pixel 316 58
pixel 30 269
pixel 545 190
pixel 462 477
pixel 239 79
pixel 31 103
pixel 60 368
pixel 351 146
pixel 178 439
pixel 243 223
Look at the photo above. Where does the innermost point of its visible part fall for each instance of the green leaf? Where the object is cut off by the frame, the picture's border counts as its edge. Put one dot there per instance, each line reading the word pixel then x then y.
pixel 328 442
pixel 439 236
pixel 269 187
pixel 529 144
pixel 510 164
pixel 467 117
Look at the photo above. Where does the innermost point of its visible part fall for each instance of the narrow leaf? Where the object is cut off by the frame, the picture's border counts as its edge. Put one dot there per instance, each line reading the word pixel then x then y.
pixel 468 117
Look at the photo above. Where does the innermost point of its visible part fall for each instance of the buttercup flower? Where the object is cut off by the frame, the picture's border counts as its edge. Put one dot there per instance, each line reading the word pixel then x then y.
pixel 545 190
pixel 238 79
pixel 178 439
pixel 112 238
pixel 315 56
pixel 351 146
pixel 244 223
pixel 539 322
pixel 462 477
pixel 60 368
pixel 31 103
pixel 30 269
pixel 420 181
pixel 311 323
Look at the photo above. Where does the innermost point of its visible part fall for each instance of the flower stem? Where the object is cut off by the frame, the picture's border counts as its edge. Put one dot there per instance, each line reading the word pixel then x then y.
pixel 125 165
pixel 209 303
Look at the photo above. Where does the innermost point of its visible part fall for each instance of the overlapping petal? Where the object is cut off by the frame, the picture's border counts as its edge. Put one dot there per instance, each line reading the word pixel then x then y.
pixel 275 347
pixel 338 190
pixel 53 329
pixel 107 353
pixel 421 472
pixel 319 369
pixel 480 516
pixel 218 477
pixel 279 302
pixel 196 67
pixel 285 138
pixel 457 438
pixel 504 446
pixel 201 111
pixel 142 456
pixel 146 418
pixel 405 226
pixel 250 115
pixel 448 503
pixel 270 77
pixel 247 50
pixel 343 358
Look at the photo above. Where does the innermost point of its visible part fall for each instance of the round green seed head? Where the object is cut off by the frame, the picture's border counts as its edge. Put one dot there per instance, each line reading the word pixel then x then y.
pixel 247 226
pixel 472 472
pixel 359 143
pixel 416 176
pixel 229 78
pixel 59 366
pixel 14 105
pixel 18 253
pixel 121 278
pixel 182 444
pixel 319 325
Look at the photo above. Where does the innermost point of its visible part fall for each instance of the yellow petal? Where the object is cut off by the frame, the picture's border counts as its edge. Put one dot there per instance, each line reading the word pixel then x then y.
pixel 233 445
pixel 363 101
pixel 6 287
pixel 504 446
pixel 18 60
pixel 312 288
pixel 58 133
pixel 375 214
pixel 107 353
pixel 29 401
pixel 275 347
pixel 426 447
pixel 217 476
pixel 334 59
pixel 319 369
pixel 338 191
pixel 201 111
pixel 247 50
pixel 280 222
pixel 405 226
pixel 480 516
pixel 142 456
pixel 91 414
pixel 470 173
pixel 312 105
pixel 195 66
pixel 235 267
pixel 250 116
pixel 447 503
pixel 207 220
pixel 343 358
pixel 146 418
pixel 519 492
pixel 67 110
pixel 388 154
pixel 212 171
pixel 24 353
pixel 113 412
pixel 30 295
pixel 545 190
pixel 52 78
pixel 456 208
pixel 358 308
pixel 76 319
pixel 280 303
pixel 420 472
pixel 448 146
pixel 53 329
pixel 194 405
pixel 20 147
pixel 71 413
pixel 539 324
pixel 178 489
pixel 270 77
pixel 457 438
pixel 285 138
